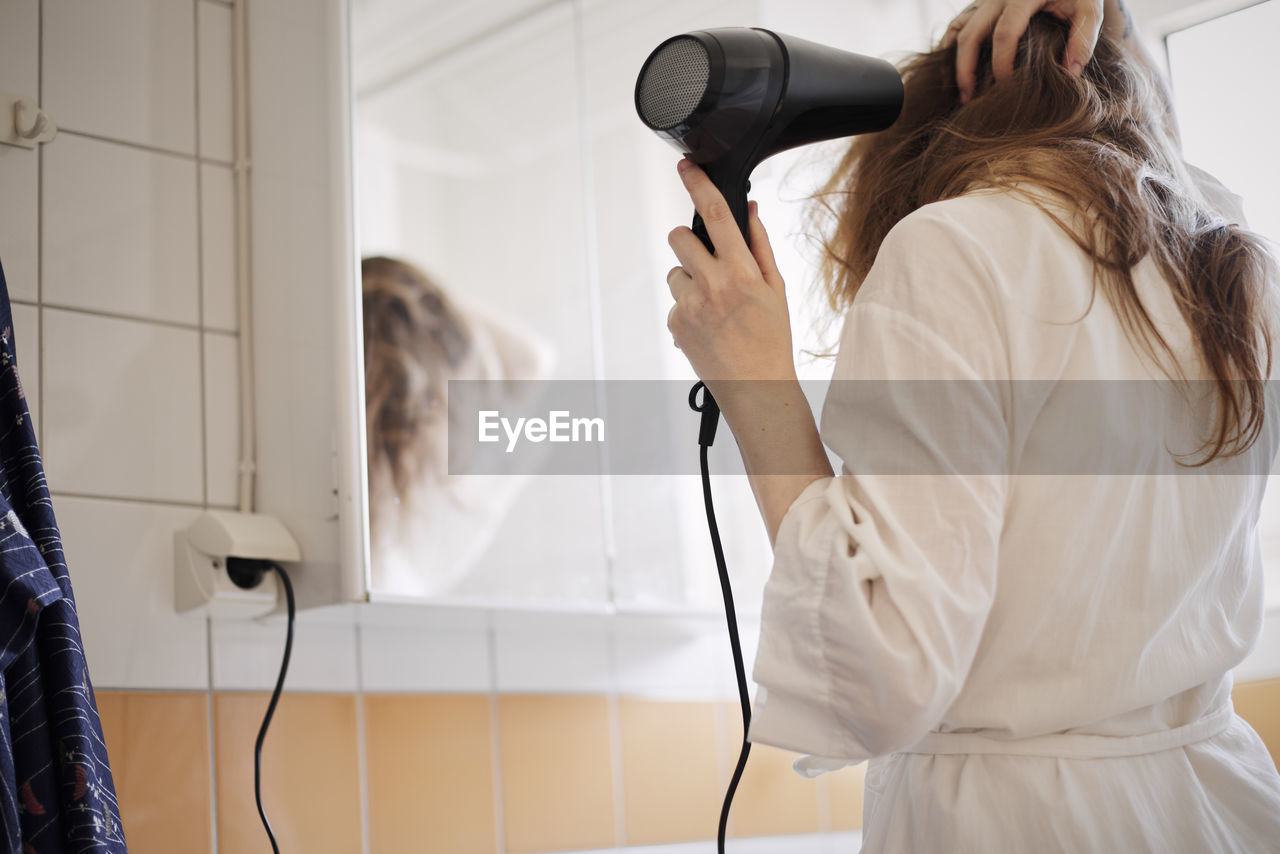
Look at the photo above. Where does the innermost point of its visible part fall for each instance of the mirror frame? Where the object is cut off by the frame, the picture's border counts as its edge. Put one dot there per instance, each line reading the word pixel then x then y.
pixel 308 388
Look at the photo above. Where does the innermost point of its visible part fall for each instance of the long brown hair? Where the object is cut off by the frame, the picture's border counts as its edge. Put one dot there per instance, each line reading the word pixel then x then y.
pixel 415 338
pixel 1099 142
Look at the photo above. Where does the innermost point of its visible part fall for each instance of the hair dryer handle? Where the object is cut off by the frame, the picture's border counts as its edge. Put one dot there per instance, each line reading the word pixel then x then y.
pixel 736 195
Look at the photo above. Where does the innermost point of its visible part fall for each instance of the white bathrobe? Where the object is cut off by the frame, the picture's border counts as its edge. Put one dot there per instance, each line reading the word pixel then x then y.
pixel 1035 658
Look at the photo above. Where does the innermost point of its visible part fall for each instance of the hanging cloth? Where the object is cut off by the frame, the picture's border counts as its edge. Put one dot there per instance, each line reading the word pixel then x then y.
pixel 57 795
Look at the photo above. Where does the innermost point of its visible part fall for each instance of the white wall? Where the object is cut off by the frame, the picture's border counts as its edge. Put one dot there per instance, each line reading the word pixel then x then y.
pixel 117 240
pixel 118 243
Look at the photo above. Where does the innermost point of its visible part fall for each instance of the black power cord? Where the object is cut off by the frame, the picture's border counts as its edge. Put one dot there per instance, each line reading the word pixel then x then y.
pixel 248 573
pixel 706 436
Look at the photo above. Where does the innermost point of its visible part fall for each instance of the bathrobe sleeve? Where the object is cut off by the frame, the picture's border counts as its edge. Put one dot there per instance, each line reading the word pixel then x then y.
pixel 883 576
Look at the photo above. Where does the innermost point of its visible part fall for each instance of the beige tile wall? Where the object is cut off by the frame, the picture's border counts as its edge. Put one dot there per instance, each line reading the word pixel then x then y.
pixel 1259 704
pixel 431 780
pixel 662 806
pixel 557 772
pixel 159 749
pixel 431 772
pixel 310 767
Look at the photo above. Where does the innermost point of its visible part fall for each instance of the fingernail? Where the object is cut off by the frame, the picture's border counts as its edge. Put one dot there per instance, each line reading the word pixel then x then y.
pixel 1076 68
pixel 753 208
pixel 684 165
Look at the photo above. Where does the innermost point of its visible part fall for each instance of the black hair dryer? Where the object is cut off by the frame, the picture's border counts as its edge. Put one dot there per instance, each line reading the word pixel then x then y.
pixel 732 96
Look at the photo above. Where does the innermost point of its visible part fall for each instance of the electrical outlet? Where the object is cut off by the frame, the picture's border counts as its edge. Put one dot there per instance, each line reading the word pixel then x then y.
pixel 200 554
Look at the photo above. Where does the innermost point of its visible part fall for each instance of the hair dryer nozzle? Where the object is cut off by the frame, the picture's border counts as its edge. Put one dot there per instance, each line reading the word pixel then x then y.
pixel 673 82
pixel 710 92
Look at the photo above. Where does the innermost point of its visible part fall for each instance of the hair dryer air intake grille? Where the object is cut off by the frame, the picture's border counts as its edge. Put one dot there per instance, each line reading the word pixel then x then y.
pixel 672 82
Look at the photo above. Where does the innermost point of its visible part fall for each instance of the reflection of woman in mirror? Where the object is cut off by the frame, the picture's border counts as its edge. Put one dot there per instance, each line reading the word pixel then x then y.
pixel 1034 662
pixel 426 526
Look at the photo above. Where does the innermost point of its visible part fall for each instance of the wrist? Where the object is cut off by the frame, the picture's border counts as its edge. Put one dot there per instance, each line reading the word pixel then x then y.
pixel 750 400
pixel 775 429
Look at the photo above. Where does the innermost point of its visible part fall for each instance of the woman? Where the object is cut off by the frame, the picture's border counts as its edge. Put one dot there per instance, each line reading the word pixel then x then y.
pixel 427 527
pixel 1038 662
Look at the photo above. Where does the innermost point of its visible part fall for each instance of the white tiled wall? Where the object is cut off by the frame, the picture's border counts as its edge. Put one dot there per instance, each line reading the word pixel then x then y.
pixel 221 419
pixel 20 178
pixel 408 648
pixel 120 555
pixel 118 229
pixel 121 408
pixel 118 243
pixel 213 26
pixel 217 245
pixel 19 169
pixel 247 653
pixel 122 69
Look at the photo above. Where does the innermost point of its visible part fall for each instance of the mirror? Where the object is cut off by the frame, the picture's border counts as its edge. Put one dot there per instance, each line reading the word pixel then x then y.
pixel 518 210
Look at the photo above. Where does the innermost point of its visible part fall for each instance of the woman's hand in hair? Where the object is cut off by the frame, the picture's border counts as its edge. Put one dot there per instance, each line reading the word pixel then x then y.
pixel 1004 22
pixel 730 317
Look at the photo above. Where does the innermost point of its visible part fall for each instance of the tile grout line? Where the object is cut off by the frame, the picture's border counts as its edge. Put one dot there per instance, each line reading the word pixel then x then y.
pixel 265 693
pixel 142 146
pixel 725 760
pixel 135 318
pixel 204 405
pixel 615 745
pixel 40 369
pixel 123 688
pixel 362 743
pixel 824 804
pixel 213 739
pixel 126 499
pixel 495 740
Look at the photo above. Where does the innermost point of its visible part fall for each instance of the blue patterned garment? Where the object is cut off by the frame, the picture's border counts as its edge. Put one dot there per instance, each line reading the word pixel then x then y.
pixel 56 791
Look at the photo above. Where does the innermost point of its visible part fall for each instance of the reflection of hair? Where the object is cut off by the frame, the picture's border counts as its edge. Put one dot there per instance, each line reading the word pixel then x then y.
pixel 1099 141
pixel 414 341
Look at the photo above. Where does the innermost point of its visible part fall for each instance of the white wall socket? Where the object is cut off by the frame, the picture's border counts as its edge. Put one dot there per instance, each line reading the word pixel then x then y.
pixel 200 559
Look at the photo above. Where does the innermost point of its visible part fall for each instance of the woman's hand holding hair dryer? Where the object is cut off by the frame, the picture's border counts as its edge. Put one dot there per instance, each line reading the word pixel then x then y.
pixel 730 318
pixel 731 321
